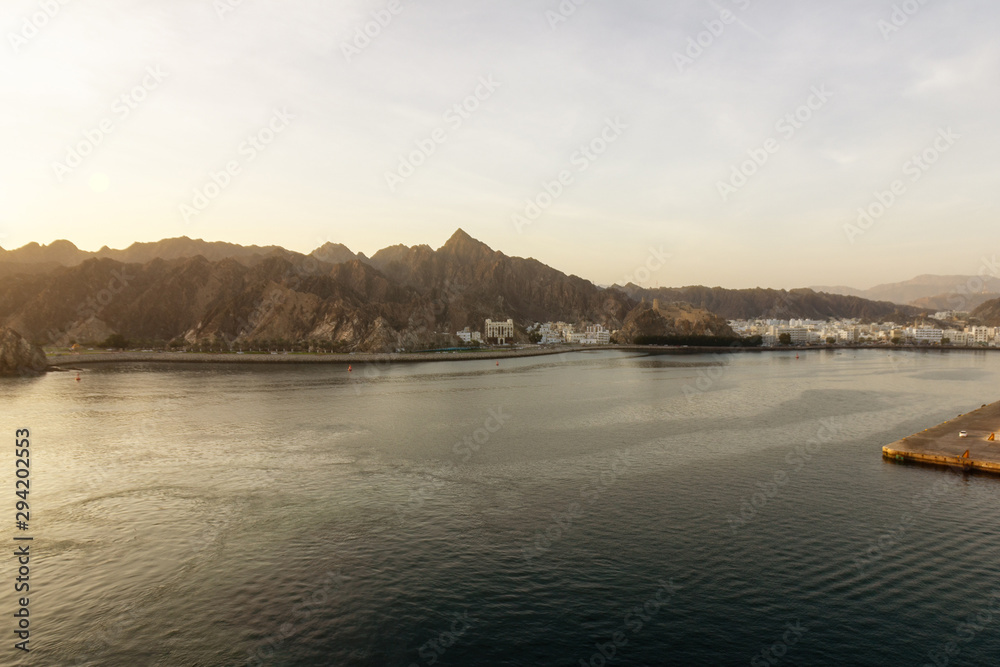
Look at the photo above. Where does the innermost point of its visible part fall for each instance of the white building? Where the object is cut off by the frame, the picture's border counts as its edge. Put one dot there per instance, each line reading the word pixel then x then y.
pixel 799 335
pixel 979 335
pixel 501 332
pixel 469 336
pixel 551 333
pixel 957 337
pixel 928 335
pixel 596 335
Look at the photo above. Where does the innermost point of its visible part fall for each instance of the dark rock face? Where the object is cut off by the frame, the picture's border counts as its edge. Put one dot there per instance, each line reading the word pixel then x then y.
pixel 673 319
pixel 18 356
pixel 988 314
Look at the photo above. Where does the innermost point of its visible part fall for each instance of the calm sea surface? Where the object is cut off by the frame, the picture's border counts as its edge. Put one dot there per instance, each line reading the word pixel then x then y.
pixel 591 508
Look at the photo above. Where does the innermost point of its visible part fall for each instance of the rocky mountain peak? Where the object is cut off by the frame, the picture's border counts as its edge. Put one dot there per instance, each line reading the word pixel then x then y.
pixel 463 246
pixel 335 253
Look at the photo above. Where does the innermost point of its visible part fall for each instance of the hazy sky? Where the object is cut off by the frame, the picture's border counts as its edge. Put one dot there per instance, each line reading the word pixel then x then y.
pixel 116 115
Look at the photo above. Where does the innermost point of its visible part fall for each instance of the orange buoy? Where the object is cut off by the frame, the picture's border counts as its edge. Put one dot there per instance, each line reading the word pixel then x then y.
pixel 348 368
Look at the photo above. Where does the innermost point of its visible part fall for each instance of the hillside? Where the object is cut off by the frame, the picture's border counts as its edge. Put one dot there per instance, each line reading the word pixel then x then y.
pixel 400 298
pixel 930 291
pixel 988 314
pixel 735 304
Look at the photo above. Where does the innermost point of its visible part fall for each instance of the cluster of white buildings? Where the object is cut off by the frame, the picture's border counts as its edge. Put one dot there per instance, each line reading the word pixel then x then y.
pixel 502 333
pixel 806 332
pixel 562 332
pixel 497 332
pixel 470 336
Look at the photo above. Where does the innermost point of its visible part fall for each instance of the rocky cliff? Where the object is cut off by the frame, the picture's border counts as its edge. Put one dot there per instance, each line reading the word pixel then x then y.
pixel 658 320
pixel 18 356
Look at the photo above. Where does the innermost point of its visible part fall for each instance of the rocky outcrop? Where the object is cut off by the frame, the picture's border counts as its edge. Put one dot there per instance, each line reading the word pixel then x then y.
pixel 988 314
pixel 671 320
pixel 18 356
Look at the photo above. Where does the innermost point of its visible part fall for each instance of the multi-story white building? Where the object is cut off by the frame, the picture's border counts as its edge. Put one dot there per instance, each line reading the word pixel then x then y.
pixel 551 332
pixel 596 335
pixel 799 335
pixel 501 332
pixel 469 336
pixel 980 335
pixel 927 335
pixel 957 337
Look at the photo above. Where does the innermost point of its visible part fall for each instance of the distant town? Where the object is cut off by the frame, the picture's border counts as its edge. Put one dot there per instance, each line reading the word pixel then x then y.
pixel 772 332
pixel 851 331
pixel 549 333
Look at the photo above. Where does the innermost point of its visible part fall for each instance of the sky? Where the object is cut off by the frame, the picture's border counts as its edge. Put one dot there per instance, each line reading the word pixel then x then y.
pixel 738 143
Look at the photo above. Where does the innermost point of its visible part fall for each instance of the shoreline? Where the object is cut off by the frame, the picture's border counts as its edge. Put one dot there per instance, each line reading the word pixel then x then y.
pixel 59 360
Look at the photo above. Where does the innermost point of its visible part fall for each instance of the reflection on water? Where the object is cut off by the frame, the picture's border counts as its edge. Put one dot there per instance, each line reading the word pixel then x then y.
pixel 464 513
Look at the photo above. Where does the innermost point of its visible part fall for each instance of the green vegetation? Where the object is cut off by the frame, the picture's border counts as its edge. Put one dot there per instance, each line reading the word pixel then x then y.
pixel 115 341
pixel 700 341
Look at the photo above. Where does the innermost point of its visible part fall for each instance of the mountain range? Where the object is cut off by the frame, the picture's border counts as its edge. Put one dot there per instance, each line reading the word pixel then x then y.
pixel 402 297
pixel 934 292
pixel 196 292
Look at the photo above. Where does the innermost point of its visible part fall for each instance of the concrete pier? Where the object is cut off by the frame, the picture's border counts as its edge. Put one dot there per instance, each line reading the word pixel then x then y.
pixel 941 444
